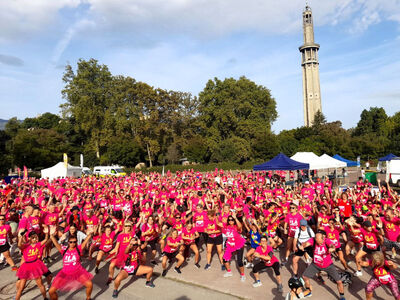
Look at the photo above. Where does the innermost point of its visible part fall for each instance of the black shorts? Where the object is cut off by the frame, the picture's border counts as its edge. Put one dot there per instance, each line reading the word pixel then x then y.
pixel 215 240
pixel 370 251
pixel 171 255
pixel 261 266
pixel 153 244
pixel 5 247
pixel 309 250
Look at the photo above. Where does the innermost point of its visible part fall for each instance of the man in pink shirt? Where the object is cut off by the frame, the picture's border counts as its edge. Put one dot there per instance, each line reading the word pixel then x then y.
pixel 322 261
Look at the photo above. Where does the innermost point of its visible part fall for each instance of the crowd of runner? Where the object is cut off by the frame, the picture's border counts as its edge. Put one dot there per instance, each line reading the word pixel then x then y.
pixel 202 220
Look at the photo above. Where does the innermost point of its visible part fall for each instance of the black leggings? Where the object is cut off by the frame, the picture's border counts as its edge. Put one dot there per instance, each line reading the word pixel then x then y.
pixel 261 266
pixel 239 257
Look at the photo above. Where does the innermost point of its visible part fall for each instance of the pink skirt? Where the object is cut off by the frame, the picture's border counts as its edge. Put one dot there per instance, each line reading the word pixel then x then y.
pixel 71 281
pixel 32 270
pixel 120 260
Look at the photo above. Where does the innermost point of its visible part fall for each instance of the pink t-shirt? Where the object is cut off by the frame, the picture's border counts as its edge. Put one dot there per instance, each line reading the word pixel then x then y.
pixel 32 252
pixel 293 222
pixel 234 239
pixel 71 259
pixel 170 249
pixel 322 257
pixel 4 232
pixel 268 251
pixel 199 220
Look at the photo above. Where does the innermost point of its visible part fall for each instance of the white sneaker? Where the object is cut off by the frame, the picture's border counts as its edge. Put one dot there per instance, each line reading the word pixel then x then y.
pixel 242 278
pixel 358 273
pixel 353 252
pixel 394 255
pixel 249 265
pixel 257 284
pixel 228 274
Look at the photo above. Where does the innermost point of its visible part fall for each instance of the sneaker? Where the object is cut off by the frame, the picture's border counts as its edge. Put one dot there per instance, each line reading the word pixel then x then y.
pixel 109 280
pixel 115 294
pixel 394 255
pixel 149 284
pixel 280 288
pixel 207 267
pixel 177 270
pixel 257 284
pixel 14 268
pixel 96 270
pixel 353 252
pixel 284 262
pixel 228 274
pixel 342 298
pixel 358 273
pixel 164 273
pixel 242 278
pixel 197 265
pixel 153 262
pixel 249 265
pixel 223 268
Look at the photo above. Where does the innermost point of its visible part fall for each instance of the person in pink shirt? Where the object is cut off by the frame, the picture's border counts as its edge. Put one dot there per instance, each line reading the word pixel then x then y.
pixel 268 260
pixel 5 238
pixel 333 235
pixel 292 222
pixel 189 235
pixel 234 243
pixel 322 261
pixel 32 267
pixel 382 275
pixel 171 251
pixel 199 222
pixel 72 276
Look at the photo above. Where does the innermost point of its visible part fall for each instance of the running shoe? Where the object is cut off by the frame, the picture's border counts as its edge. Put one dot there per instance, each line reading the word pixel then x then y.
pixel 358 273
pixel 284 262
pixel 249 265
pixel 280 288
pixel 394 255
pixel 207 267
pixel 115 294
pixel 177 270
pixel 149 284
pixel 342 298
pixel 223 268
pixel 96 270
pixel 228 274
pixel 257 284
pixel 242 278
pixel 197 265
pixel 164 273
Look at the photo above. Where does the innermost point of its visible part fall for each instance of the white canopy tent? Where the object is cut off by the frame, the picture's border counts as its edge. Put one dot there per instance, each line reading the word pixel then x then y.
pixel 59 170
pixel 332 162
pixel 315 162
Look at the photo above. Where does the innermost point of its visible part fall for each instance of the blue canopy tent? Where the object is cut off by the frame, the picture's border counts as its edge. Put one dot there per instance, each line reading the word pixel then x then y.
pixel 349 163
pixel 281 162
pixel 388 157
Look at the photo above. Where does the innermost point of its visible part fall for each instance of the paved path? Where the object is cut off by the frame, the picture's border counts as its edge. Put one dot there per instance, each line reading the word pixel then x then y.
pixel 194 284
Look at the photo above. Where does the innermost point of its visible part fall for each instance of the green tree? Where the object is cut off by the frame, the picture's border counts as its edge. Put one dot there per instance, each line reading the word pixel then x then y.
pixel 372 121
pixel 87 93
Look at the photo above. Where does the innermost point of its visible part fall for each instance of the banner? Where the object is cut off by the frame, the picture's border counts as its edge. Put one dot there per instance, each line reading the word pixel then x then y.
pixel 66 160
pixel 25 172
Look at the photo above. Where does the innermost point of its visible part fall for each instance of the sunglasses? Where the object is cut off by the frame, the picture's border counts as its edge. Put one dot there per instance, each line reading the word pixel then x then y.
pixel 231 220
pixel 293 207
pixel 72 242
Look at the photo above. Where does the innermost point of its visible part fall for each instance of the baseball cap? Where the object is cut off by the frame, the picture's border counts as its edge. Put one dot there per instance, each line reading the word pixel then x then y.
pixel 303 222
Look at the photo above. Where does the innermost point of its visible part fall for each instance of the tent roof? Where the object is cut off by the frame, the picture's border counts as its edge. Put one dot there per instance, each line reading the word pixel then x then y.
pixel 315 162
pixel 281 162
pixel 349 163
pixel 388 157
pixel 334 163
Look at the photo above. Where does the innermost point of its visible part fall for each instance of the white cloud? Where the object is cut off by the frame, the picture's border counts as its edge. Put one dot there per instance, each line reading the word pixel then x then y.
pixel 20 18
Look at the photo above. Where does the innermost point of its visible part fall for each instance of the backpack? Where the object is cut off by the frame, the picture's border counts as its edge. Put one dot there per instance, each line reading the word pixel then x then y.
pixel 345 277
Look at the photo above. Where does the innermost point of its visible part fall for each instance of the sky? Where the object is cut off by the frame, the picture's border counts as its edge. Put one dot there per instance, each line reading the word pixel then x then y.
pixel 181 44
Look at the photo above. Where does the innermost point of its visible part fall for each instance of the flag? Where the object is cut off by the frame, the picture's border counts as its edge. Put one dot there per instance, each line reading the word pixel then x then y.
pixel 19 172
pixel 81 158
pixel 66 160
pixel 25 172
